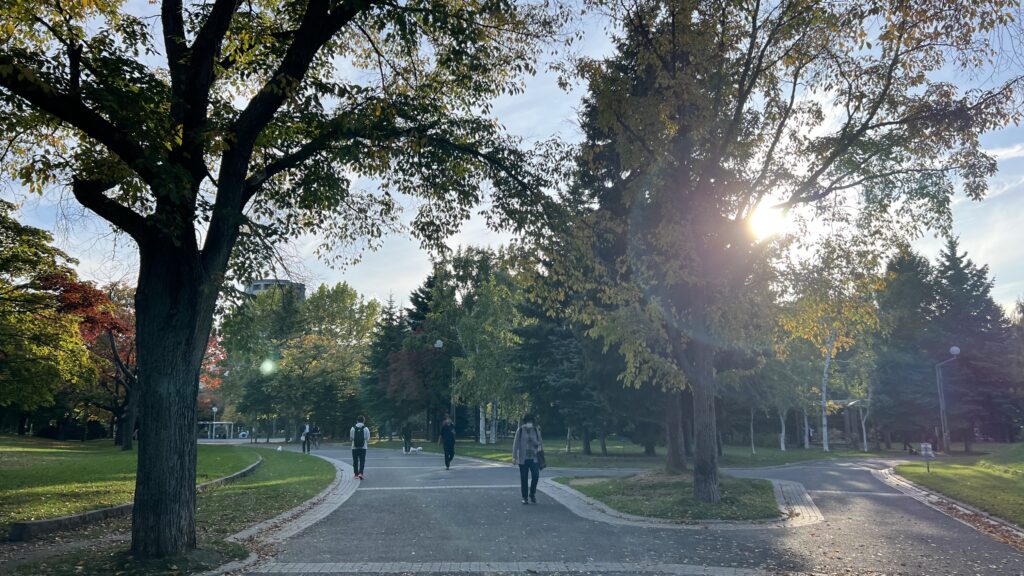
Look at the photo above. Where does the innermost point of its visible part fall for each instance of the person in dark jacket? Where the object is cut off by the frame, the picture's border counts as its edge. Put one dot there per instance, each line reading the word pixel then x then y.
pixel 360 436
pixel 407 437
pixel 525 447
pixel 448 441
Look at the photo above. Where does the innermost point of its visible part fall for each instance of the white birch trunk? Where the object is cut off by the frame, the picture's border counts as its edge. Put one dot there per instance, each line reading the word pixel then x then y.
pixel 824 391
pixel 782 434
pixel 863 427
pixel 753 449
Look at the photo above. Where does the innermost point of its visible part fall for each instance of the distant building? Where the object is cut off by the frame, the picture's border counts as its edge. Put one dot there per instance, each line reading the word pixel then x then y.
pixel 267 283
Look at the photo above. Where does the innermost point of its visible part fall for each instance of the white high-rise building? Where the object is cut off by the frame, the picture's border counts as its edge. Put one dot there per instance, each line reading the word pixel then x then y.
pixel 268 283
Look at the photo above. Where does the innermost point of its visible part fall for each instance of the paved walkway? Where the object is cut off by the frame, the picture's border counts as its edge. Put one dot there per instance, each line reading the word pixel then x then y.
pixel 411 516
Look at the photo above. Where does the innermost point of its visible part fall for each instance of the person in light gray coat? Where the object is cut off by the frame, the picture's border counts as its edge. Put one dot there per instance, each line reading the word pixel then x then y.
pixel 525 447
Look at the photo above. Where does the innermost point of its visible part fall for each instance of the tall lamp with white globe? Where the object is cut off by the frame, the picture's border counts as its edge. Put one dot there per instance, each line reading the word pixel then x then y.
pixel 954 351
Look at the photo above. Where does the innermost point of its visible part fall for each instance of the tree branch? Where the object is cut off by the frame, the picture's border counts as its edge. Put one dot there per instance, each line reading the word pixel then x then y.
pixel 339 129
pixel 25 83
pixel 319 24
pixel 90 193
pixel 203 54
pixel 129 377
pixel 848 139
pixel 173 24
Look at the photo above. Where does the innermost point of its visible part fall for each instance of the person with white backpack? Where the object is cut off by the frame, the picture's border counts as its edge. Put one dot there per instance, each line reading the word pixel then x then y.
pixel 360 436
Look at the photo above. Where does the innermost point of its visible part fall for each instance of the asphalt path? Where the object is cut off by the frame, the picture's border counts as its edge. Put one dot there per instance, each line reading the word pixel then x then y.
pixel 410 515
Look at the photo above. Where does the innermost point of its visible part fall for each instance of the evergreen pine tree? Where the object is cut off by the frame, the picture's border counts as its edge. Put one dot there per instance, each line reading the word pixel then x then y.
pixel 977 386
pixel 388 337
pixel 904 399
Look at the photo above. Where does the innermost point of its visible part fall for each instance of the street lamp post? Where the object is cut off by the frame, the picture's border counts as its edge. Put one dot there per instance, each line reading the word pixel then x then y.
pixel 955 351
pixel 214 423
pixel 439 344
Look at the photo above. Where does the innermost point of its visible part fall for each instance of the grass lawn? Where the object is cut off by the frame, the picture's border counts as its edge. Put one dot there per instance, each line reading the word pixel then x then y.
pixel 658 495
pixel 993 482
pixel 44 478
pixel 740 456
pixel 283 481
pixel 620 455
pixel 627 455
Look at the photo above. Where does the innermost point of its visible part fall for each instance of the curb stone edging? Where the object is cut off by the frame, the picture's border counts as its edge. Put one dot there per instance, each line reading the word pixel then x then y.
pixel 797 506
pixel 1009 533
pixel 231 477
pixel 290 522
pixel 492 568
pixel 791 497
pixel 31 529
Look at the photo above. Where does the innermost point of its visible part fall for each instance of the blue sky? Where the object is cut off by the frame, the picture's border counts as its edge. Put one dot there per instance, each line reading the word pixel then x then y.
pixel 991 231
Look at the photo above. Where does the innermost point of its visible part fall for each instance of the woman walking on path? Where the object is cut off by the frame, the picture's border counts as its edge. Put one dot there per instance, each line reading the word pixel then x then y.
pixel 448 441
pixel 527 450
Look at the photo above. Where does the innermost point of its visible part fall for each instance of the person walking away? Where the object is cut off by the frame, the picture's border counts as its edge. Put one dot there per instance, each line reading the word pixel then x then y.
pixel 448 441
pixel 307 437
pixel 407 437
pixel 360 435
pixel 526 448
pixel 316 437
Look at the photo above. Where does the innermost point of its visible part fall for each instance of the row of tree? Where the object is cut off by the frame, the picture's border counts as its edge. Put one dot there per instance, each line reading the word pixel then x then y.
pixel 477 334
pixel 290 358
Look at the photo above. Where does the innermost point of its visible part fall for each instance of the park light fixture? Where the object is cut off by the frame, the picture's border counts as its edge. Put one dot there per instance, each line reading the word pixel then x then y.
pixel 954 351
pixel 439 344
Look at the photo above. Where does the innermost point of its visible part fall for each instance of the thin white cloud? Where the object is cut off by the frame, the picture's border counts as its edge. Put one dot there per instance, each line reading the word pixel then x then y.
pixel 1005 153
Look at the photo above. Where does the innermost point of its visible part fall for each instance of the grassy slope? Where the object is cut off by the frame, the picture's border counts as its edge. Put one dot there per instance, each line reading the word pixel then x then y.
pixel 993 482
pixel 283 481
pixel 671 497
pixel 740 456
pixel 43 479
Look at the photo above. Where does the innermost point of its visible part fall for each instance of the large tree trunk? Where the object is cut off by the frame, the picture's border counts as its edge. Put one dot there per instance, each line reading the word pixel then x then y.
pixel 603 439
pixel 62 428
pixel 483 425
pixel 585 442
pixel 117 424
pixel 675 459
pixel 686 413
pixel 807 431
pixel 705 460
pixel 174 311
pixel 131 414
pixel 494 422
pixel 568 439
